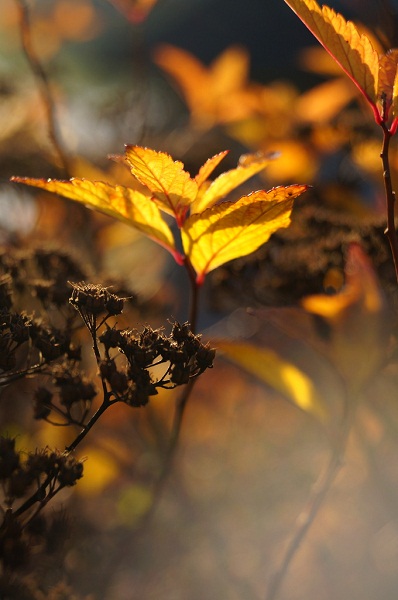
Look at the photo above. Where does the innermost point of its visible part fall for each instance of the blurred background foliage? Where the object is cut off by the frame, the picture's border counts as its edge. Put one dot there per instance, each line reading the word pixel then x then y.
pixel 194 78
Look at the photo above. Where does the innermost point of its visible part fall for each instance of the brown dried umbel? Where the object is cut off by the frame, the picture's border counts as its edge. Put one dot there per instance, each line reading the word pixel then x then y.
pixel 92 300
pixel 128 363
pixel 69 397
pixel 182 353
pixel 45 471
pixel 14 331
pixel 28 345
pixel 28 481
pixel 51 342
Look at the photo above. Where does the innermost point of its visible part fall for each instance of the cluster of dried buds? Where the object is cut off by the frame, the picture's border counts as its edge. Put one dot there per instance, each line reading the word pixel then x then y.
pixel 132 365
pixel 182 353
pixel 70 395
pixel 28 343
pixel 126 361
pixel 92 300
pixel 30 480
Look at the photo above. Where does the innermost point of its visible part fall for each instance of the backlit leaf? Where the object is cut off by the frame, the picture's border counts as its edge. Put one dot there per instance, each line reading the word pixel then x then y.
pixel 218 93
pixel 230 70
pixel 350 49
pixel 249 165
pixel 233 229
pixel 282 375
pixel 207 169
pixel 172 187
pixel 324 102
pixel 395 97
pixel 356 318
pixel 127 205
pixel 191 75
pixel 387 75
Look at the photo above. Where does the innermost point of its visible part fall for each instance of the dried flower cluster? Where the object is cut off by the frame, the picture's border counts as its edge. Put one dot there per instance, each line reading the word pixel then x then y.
pixel 182 353
pixel 28 483
pixel 93 300
pixel 39 316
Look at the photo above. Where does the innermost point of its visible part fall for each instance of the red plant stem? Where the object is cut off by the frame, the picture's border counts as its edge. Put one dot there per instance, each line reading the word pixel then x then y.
pixel 390 230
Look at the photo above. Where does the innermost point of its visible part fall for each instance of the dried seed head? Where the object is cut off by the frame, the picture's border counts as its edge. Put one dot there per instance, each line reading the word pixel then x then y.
pixel 110 338
pixel 69 470
pixel 19 483
pixel 50 341
pixel 91 300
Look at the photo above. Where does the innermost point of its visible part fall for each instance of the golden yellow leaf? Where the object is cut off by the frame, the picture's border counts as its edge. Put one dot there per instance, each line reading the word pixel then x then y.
pixel 296 161
pixel 171 186
pixel 230 70
pixel 249 165
pixel 207 169
pixel 233 229
pixel 190 74
pixel 315 60
pixel 356 317
pixel 387 78
pixel 395 97
pixel 127 205
pixel 387 73
pixel 325 101
pixel 282 375
pixel 350 49
pixel 219 93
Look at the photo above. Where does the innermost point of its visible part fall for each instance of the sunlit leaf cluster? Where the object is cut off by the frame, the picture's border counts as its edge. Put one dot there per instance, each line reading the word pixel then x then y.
pixel 213 231
pixel 374 74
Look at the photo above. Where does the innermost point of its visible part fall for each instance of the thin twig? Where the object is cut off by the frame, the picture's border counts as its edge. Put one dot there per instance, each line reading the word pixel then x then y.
pixel 42 82
pixel 38 496
pixel 104 406
pixel 179 409
pixel 390 230
pixel 8 378
pixel 194 298
pixel 315 501
pixel 183 398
